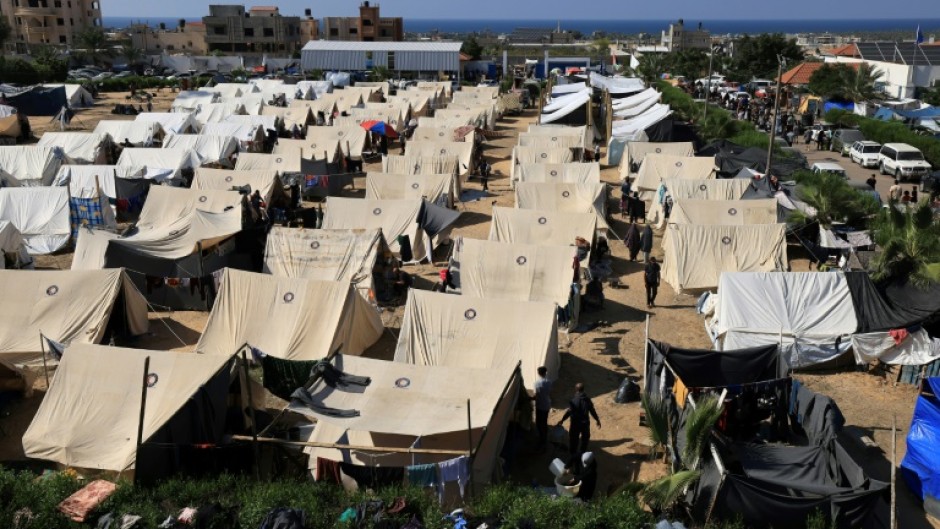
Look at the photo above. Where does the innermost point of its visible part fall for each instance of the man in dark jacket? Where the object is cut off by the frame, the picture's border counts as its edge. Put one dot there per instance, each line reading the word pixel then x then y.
pixel 651 280
pixel 646 243
pixel 637 208
pixel 581 410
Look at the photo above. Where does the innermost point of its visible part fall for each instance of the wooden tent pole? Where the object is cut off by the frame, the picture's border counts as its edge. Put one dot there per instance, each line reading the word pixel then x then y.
pixel 143 410
pixel 472 459
pixel 646 350
pixel 894 465
pixel 335 446
pixel 45 368
pixel 251 412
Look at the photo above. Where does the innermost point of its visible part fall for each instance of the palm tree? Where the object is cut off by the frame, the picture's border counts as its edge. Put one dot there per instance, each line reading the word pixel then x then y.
pixel 859 84
pixel 663 494
pixel 651 67
pixel 909 239
pixel 832 199
pixel 95 44
pixel 716 126
pixel 133 54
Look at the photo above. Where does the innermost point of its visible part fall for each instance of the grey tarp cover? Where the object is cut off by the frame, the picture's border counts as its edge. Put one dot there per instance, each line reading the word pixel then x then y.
pixel 393 217
pixel 571 173
pixel 572 198
pixel 41 214
pixel 899 306
pixel 463 331
pixel 290 318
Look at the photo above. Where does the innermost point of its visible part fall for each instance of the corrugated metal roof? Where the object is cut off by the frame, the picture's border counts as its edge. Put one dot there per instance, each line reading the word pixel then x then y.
pixel 339 45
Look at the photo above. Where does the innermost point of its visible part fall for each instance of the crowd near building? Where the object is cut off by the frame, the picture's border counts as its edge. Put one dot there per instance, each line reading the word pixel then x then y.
pixel 56 22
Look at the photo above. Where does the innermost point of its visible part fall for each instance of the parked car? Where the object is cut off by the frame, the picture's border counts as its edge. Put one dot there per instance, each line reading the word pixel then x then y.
pixel 903 161
pixel 829 167
pixel 865 153
pixel 842 140
pixel 930 184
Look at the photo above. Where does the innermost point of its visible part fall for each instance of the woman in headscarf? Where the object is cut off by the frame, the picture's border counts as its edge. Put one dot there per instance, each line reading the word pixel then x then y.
pixel 632 241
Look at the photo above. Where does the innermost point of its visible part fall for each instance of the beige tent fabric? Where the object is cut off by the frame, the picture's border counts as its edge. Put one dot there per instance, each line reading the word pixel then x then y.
pixel 10 126
pixel 420 102
pixel 423 133
pixel 209 149
pixel 410 164
pixel 463 150
pixel 583 132
pixel 393 217
pixel 571 198
pixel 327 106
pixel 331 150
pixel 659 167
pixel 537 140
pixel 343 99
pixel 351 139
pixel 527 155
pixel 68 306
pixel 282 163
pixel 636 151
pixel 685 189
pixel 290 318
pixel 444 87
pixel 89 417
pixel 560 173
pixel 438 122
pixel 477 116
pixel 12 245
pixel 697 255
pixel 437 189
pixel 79 147
pixel 532 226
pixel 91 249
pixel 328 255
pixel 175 219
pixel 290 116
pixel 513 271
pixel 463 331
pixel 41 214
pixel 216 112
pixel 267 182
pixel 726 212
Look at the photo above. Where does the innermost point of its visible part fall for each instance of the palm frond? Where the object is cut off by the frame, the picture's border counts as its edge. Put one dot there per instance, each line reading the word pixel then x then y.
pixel 698 428
pixel 663 493
pixel 657 420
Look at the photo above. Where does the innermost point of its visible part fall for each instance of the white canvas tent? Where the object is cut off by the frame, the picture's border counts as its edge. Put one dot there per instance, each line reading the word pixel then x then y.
pixel 138 133
pixel 13 252
pixel 265 122
pixel 393 217
pixel 411 164
pixel 571 198
pixel 437 189
pixel 230 90
pixel 90 421
pixel 75 94
pixel 78 147
pixel 535 140
pixel 659 167
pixel 161 165
pixel 812 314
pixel 533 226
pixel 529 155
pixel 216 112
pixel 351 139
pixel 513 271
pixel 689 189
pixel 414 406
pixel 193 99
pixel 256 161
pixel 28 165
pixel 172 122
pixel 216 150
pixel 697 255
pixel 290 116
pixel 562 107
pixel 464 331
pixel 268 183
pixel 561 173
pixel 347 256
pixel 726 212
pixel 250 137
pixel 289 318
pixel 41 214
pixel 329 150
pixel 68 306
pixel 585 133
pixel 636 152
pixel 463 150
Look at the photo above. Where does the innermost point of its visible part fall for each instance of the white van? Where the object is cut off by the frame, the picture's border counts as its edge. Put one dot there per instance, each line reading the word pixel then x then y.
pixel 866 153
pixel 829 167
pixel 903 161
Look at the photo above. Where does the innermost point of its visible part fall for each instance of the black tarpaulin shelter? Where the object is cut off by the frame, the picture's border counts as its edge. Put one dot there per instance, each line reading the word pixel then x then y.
pixel 672 130
pixel 434 219
pixel 704 368
pixel 897 305
pixel 323 179
pixel 35 100
pixel 731 158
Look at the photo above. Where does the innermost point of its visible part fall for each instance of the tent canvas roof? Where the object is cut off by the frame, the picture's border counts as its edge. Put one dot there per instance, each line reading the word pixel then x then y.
pixel 393 217
pixel 637 151
pixel 255 161
pixel 11 240
pixel 531 226
pixel 659 167
pixel 463 150
pixel 727 212
pixel 161 164
pixel 567 173
pixel 208 149
pixel 81 179
pixel 139 133
pixel 463 331
pixel 352 139
pixel 327 255
pixel 329 149
pixel 524 155
pixel 28 165
pixel 87 420
pixel 265 182
pixel 172 122
pixel 690 189
pixel 437 189
pixel 41 214
pixel 571 198
pixel 216 112
pixel 78 147
pixel 290 318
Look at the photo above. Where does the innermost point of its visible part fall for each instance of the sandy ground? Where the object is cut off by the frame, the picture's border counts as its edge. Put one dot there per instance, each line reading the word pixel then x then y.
pixel 600 358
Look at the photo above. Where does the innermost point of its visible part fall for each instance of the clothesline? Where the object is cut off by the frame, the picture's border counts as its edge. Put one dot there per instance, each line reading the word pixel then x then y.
pixel 314 444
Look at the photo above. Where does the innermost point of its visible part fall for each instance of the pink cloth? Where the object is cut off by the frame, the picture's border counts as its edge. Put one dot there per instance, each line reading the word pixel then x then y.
pixel 79 505
pixel 899 335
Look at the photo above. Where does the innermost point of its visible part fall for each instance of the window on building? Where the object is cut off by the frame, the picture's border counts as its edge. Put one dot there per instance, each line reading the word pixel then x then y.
pixel 69 4
pixel 218 30
pixel 268 32
pixel 60 21
pixel 334 32
pixel 383 32
pixel 170 47
pixel 391 60
pixel 62 39
pixel 249 32
pixel 19 21
pixel 57 3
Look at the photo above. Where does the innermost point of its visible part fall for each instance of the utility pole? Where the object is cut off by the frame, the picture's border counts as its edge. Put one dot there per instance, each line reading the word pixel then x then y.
pixel 773 122
pixel 708 89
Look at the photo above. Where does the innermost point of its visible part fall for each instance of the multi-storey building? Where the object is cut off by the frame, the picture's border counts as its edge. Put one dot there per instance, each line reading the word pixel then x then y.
pixel 188 38
pixel 56 22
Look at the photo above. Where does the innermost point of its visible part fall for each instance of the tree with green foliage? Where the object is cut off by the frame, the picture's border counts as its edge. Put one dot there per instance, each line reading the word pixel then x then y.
pixel 380 73
pixel 832 198
pixel 931 96
pixel 827 81
pixel 651 67
pixel 472 48
pixel 49 66
pixel 756 57
pixel 909 238
pixel 133 54
pixel 95 43
pixel 691 64
pixel 662 495
pixel 841 118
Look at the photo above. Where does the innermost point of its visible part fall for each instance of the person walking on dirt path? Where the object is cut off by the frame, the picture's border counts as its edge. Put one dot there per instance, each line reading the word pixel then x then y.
pixel 580 410
pixel 543 405
pixel 632 241
pixel 646 243
pixel 651 278
pixel 894 192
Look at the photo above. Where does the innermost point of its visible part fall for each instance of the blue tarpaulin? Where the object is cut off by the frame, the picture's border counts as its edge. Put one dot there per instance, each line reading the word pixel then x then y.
pixel 830 105
pixel 921 465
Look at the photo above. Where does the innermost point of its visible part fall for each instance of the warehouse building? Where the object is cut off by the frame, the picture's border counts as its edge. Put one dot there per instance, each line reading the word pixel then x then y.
pixel 415 57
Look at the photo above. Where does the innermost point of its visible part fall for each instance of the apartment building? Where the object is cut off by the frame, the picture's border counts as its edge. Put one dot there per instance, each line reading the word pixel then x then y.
pixel 369 26
pixel 55 22
pixel 260 29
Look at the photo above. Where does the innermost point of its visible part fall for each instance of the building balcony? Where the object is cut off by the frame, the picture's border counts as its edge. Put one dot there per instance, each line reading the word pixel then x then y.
pixel 35 12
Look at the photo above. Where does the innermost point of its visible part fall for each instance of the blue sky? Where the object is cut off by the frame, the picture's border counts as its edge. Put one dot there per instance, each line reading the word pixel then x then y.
pixel 551 9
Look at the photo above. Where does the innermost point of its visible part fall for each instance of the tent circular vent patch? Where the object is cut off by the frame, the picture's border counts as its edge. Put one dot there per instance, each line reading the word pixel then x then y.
pixel 554 138
pixel 678 164
pixel 443 151
pixel 415 185
pixel 554 173
pixel 377 211
pixel 726 240
pixel 289 297
pixel 314 245
pixel 470 314
pixel 566 194
pixel 521 260
pixel 228 178
pixel 403 383
pixel 152 379
pixel 340 134
pixel 203 198
pixel 313 145
pixel 174 232
pixel 53 290
pixel 543 220
pixel 732 212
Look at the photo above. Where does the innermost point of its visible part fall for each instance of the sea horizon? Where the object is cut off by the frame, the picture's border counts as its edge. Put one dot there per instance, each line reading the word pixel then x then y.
pixel 627 27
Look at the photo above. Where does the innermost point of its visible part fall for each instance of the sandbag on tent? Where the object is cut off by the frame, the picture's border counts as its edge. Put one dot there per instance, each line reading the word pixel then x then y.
pixel 572 198
pixel 13 254
pixel 920 467
pixel 689 189
pixel 532 226
pixel 89 421
pixel 250 137
pixel 211 150
pixel 138 133
pixel 266 182
pixel 812 313
pixel 353 140
pixel 406 405
pixel 659 167
pixel 329 150
pixel 35 100
pixel 437 189
pixel 894 306
pixel 68 307
pixel 697 255
pixel 513 271
pixel 463 331
pixel 216 112
pixel 568 142
pixel 724 212
pixel 172 122
pixel 28 165
pixel 41 214
pixel 162 165
pixel 409 164
pixel 288 318
pixel 561 173
pixel 525 155
pixel 636 152
pixel 256 161
pixel 78 147
pixel 192 99
pixel 462 150
pixel 349 256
